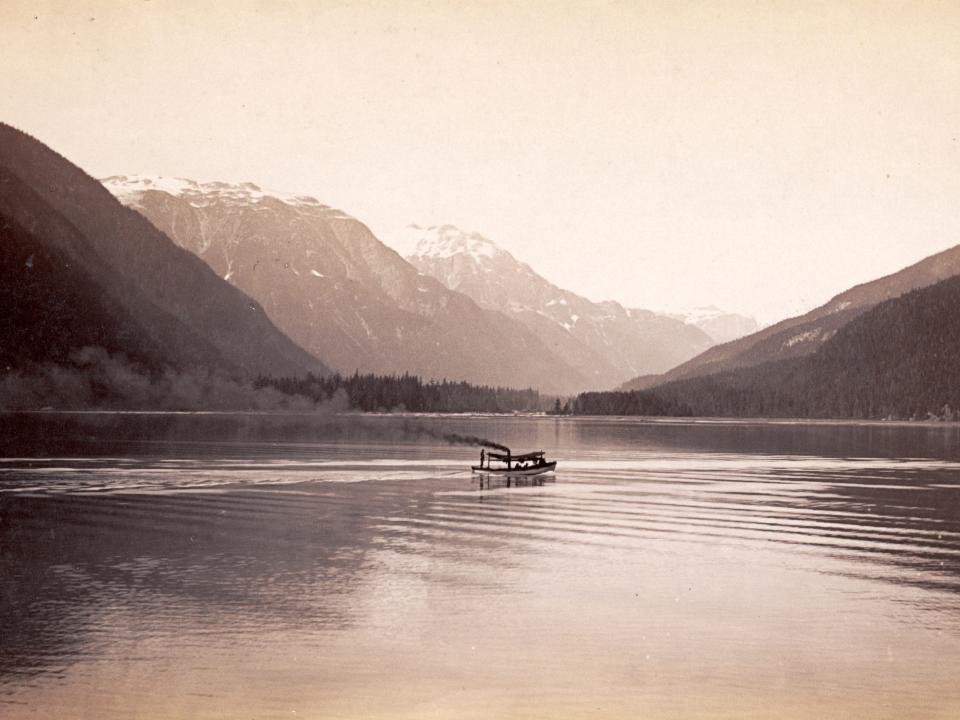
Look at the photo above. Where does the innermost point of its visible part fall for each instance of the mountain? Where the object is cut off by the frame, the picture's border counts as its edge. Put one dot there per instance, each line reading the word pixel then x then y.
pixel 81 271
pixel 333 287
pixel 721 326
pixel 39 325
pixel 897 360
pixel 803 335
pixel 604 341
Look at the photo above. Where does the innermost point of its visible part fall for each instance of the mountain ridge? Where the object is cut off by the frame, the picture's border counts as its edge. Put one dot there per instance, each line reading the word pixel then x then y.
pixel 327 281
pixel 802 335
pixel 605 341
pixel 894 361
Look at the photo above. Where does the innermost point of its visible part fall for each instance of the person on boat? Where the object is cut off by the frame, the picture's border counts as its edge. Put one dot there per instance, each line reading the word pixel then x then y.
pixel 482 452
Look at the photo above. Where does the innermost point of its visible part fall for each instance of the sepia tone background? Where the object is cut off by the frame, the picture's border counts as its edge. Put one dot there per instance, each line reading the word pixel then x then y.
pixel 756 156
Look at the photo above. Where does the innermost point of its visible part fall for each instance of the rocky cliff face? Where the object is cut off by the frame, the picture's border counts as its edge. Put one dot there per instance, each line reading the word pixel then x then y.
pixel 604 341
pixel 333 287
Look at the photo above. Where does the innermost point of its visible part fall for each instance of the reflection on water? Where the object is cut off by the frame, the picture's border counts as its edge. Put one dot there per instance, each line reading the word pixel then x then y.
pixel 488 481
pixel 237 566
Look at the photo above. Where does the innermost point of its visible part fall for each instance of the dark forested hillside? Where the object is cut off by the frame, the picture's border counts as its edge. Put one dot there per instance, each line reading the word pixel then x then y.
pixel 39 325
pixel 900 359
pixel 60 296
pixel 372 393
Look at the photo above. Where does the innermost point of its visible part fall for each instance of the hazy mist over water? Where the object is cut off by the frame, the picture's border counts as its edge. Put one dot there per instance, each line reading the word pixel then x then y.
pixel 227 565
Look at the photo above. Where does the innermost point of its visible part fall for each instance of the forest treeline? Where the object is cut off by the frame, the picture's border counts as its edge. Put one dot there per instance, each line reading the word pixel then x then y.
pixel 372 393
pixel 93 378
pixel 899 360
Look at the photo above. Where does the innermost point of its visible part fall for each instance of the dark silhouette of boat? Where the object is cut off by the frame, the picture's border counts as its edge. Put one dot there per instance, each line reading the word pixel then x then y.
pixel 499 463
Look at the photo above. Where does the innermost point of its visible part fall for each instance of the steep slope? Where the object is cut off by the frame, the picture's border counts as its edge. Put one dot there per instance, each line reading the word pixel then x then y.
pixel 136 292
pixel 605 341
pixel 800 336
pixel 324 278
pixel 38 325
pixel 897 359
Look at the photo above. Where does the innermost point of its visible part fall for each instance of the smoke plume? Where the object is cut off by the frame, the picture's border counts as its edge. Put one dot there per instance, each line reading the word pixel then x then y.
pixel 457 439
pixel 452 438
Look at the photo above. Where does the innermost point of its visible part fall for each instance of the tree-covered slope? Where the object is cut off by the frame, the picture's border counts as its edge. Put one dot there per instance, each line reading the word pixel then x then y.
pixel 900 359
pixel 803 335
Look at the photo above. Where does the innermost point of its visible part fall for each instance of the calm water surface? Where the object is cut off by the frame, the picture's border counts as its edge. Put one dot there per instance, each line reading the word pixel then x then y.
pixel 217 566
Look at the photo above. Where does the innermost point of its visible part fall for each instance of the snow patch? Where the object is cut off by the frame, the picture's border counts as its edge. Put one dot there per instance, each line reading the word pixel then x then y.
pixel 803 337
pixel 446 241
pixel 130 188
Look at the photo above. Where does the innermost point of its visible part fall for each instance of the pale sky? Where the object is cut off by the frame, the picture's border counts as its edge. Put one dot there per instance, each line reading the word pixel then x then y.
pixel 760 156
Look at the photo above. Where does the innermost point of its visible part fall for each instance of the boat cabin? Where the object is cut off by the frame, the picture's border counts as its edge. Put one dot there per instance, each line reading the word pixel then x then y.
pixel 530 463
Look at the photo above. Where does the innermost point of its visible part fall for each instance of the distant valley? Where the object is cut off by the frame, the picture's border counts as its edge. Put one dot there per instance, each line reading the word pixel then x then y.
pixel 338 291
pixel 894 360
pixel 804 335
pixel 348 298
pixel 722 327
pixel 604 341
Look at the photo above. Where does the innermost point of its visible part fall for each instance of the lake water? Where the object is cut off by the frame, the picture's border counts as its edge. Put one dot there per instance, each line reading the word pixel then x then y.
pixel 230 566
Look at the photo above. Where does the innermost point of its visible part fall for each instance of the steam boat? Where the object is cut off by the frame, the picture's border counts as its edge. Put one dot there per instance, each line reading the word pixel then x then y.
pixel 498 463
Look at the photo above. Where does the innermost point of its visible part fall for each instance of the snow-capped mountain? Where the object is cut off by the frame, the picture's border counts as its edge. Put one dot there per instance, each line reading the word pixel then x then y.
pixel 127 188
pixel 333 287
pixel 605 341
pixel 721 326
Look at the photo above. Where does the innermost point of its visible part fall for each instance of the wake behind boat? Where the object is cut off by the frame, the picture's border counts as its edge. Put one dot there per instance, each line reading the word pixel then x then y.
pixel 497 463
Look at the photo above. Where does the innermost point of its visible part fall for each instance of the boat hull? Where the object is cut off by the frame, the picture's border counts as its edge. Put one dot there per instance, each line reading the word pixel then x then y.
pixel 536 470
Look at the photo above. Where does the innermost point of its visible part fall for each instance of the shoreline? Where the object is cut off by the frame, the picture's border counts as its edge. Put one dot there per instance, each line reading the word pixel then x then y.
pixel 619 419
